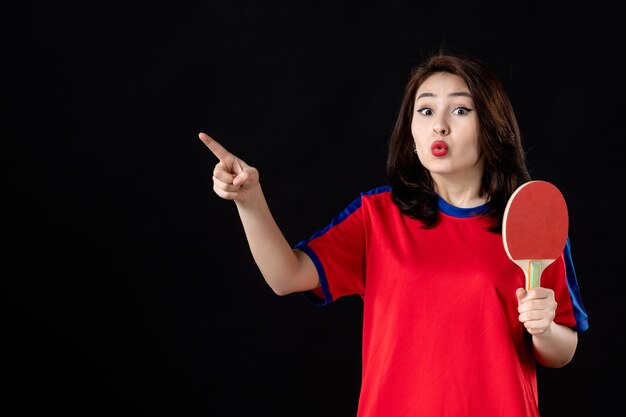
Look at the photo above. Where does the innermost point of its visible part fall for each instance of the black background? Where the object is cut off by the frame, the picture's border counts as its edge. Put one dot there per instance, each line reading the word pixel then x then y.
pixel 128 284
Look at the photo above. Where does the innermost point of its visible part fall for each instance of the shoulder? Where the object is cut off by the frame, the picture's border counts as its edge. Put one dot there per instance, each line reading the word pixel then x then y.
pixel 378 195
pixel 383 191
pixel 377 199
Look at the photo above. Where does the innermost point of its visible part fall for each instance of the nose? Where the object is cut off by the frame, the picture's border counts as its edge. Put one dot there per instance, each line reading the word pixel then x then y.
pixel 441 127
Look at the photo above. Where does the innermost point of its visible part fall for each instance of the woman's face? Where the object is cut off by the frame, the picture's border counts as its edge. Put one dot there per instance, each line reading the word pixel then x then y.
pixel 445 129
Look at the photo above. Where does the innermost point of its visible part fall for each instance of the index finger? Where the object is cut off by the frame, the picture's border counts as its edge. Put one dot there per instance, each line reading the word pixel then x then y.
pixel 214 146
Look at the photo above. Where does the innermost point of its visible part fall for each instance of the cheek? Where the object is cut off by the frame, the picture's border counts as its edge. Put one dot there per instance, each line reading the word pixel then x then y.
pixel 468 136
pixel 416 131
pixel 476 145
pixel 469 149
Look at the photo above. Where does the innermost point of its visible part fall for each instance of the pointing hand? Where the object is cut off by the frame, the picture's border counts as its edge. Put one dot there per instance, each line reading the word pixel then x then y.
pixel 233 179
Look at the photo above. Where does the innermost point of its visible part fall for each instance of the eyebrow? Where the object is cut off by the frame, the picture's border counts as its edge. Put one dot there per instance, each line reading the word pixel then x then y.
pixel 456 94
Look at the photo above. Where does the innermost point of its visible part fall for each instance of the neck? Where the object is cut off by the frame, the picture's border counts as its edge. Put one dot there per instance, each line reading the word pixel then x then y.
pixel 465 194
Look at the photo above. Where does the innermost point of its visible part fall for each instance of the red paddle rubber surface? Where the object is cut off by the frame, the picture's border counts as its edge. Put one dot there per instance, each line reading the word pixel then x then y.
pixel 535 222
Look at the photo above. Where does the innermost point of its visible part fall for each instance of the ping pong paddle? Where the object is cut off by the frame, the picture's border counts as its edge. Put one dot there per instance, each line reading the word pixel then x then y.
pixel 534 228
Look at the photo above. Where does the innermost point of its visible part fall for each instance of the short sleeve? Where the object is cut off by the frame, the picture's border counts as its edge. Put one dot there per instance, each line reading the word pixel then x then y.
pixel 563 280
pixel 338 252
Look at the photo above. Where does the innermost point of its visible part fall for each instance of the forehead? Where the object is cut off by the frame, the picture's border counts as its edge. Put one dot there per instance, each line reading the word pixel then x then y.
pixel 442 84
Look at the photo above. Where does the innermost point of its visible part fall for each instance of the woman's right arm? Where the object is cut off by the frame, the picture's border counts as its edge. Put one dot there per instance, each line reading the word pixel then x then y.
pixel 285 270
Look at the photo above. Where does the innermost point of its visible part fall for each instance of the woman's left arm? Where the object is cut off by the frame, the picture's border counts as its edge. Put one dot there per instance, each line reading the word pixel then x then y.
pixel 554 345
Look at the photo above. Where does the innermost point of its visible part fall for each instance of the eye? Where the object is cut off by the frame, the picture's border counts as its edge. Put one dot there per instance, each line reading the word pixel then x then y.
pixel 425 111
pixel 461 111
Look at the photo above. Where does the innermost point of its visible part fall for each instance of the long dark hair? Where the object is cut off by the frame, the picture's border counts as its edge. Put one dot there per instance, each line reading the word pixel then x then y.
pixel 499 138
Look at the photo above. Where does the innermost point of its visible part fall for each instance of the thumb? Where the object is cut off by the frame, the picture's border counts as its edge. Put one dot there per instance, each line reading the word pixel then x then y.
pixel 520 293
pixel 249 175
pixel 241 178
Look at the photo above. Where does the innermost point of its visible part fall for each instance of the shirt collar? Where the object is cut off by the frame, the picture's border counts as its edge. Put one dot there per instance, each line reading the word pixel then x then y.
pixel 450 210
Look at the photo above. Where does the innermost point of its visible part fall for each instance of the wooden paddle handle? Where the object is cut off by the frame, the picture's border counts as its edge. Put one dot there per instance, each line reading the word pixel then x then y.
pixel 534 274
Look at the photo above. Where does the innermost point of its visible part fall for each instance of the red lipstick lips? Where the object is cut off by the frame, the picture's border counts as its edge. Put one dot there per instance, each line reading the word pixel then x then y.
pixel 439 148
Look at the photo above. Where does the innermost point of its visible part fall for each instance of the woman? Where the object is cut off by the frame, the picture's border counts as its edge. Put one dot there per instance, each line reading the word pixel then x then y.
pixel 448 329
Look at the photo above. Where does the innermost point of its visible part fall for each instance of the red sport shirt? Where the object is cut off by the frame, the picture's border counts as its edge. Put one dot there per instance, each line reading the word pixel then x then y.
pixel 441 335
